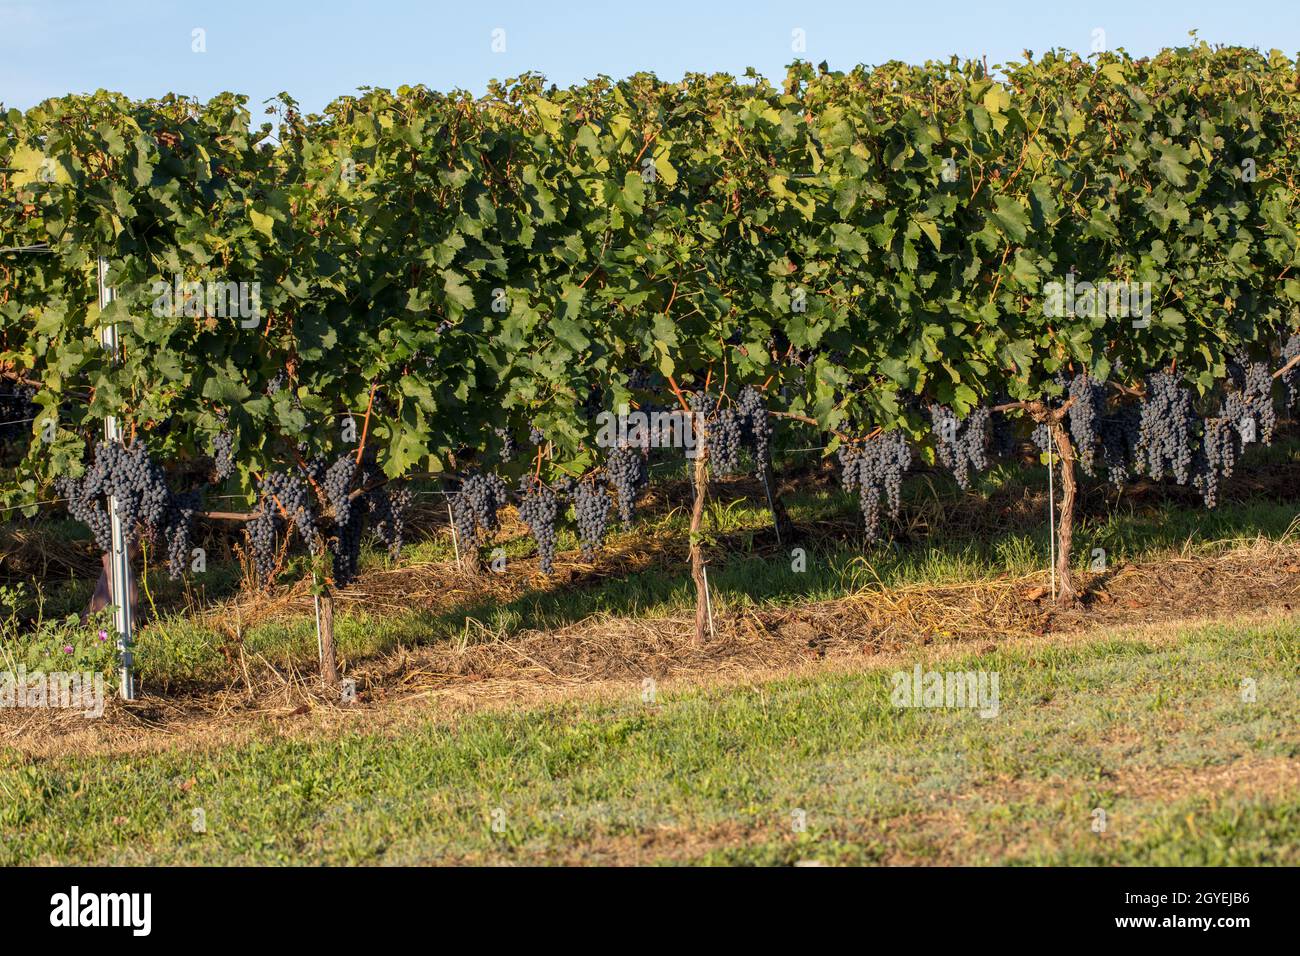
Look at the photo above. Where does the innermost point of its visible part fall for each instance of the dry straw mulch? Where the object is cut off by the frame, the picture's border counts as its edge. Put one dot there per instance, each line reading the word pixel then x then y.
pixel 605 651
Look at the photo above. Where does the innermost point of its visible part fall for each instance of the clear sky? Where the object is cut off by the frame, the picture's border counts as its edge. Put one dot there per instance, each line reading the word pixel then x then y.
pixel 320 49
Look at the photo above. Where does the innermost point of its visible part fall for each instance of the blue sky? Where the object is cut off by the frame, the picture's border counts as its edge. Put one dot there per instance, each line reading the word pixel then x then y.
pixel 321 49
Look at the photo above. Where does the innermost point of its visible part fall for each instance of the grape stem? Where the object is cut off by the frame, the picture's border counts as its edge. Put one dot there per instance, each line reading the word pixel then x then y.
pixel 365 426
pixel 808 420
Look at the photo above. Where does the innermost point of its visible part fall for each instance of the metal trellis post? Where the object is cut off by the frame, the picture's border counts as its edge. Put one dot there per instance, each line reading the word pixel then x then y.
pixel 119 564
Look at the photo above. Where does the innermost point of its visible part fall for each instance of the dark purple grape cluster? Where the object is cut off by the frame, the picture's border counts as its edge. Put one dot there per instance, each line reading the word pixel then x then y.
pixel 507 452
pixel 345 543
pixel 1085 417
pixel 277 382
pixel 1215 459
pixel 284 504
pixel 758 431
pixel 1251 399
pixel 1003 440
pixel 626 470
pixel 1291 377
pixel 223 455
pixel 591 507
pixel 387 507
pixel 538 508
pixel 641 379
pixel 1167 430
pixel 727 427
pixel 535 436
pixel 724 434
pixel 178 530
pixel 87 506
pixel 875 468
pixel 337 485
pixel 345 550
pixel 475 504
pixel 1119 432
pixel 130 478
pixel 1041 436
pixel 18 409
pixel 962 446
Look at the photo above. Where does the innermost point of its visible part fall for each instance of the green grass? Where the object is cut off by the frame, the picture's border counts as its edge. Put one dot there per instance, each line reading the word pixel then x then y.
pixel 716 774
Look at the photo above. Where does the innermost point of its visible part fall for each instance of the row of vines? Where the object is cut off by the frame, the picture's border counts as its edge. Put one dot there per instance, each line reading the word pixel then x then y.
pixel 916 260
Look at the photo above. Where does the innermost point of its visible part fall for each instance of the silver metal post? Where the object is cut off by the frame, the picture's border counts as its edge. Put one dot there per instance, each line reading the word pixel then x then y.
pixel 315 599
pixel 119 564
pixel 1051 512
pixel 708 599
pixel 455 538
pixel 776 525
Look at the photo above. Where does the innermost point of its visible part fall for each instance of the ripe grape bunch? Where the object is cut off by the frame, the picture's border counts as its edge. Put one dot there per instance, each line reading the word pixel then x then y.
pixel 1119 434
pixel 475 504
pixel 1003 441
pixel 345 544
pixel 1166 430
pixel 726 428
pixel 1085 416
pixel 538 508
pixel 18 409
pixel 130 478
pixel 753 411
pixel 962 445
pixel 284 504
pixel 507 452
pixel 875 469
pixel 1215 459
pixel 723 436
pixel 625 469
pixel 1291 377
pixel 178 529
pixel 591 506
pixel 137 485
pixel 223 455
pixel 1251 400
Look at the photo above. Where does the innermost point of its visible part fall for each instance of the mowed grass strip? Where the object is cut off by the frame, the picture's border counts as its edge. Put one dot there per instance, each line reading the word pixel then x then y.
pixel 1152 728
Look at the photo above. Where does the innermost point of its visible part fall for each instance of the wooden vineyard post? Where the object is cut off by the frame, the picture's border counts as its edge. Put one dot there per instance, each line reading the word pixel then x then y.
pixel 780 517
pixel 1054 421
pixel 1065 529
pixel 467 554
pixel 701 484
pixel 329 670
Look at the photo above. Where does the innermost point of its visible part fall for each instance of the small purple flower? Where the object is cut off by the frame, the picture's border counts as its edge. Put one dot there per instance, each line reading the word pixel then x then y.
pixel 67 648
pixel 103 635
